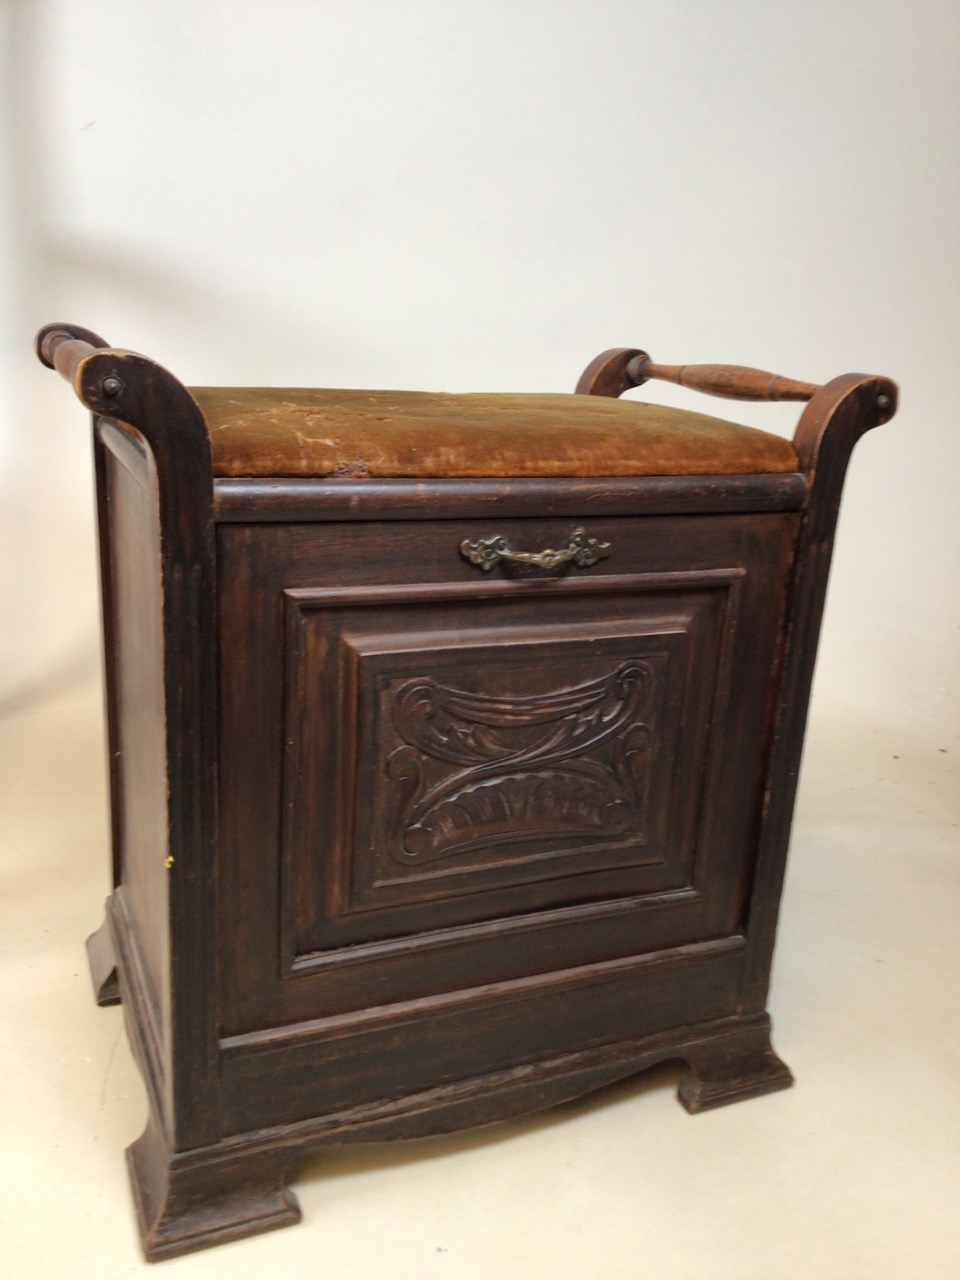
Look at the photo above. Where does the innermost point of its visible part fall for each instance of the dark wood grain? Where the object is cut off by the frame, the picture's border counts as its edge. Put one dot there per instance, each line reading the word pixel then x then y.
pixel 835 419
pixel 401 845
pixel 161 679
pixel 326 501
pixel 136 709
pixel 352 593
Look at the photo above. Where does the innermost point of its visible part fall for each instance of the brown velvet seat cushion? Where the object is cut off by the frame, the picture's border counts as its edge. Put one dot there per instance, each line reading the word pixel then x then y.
pixel 270 431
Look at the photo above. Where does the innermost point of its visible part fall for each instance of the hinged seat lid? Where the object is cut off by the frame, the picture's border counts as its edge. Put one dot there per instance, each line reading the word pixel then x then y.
pixel 274 431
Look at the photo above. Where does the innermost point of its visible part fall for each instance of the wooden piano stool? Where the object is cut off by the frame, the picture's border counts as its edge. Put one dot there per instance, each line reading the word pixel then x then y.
pixel 453 744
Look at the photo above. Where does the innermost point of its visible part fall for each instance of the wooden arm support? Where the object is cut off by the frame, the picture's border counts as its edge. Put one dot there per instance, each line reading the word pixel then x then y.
pixel 733 381
pixel 63 346
pixel 839 412
pixel 129 393
pixel 837 415
pixel 131 389
pixel 621 368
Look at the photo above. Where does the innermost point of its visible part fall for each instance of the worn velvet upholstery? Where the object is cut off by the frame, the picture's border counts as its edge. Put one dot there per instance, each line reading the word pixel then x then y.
pixel 271 431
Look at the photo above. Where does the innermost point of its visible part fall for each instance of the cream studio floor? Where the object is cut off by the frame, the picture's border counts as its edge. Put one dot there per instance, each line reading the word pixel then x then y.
pixel 855 1172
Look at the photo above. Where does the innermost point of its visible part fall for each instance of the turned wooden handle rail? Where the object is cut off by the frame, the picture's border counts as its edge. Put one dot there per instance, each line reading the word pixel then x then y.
pixel 733 381
pixel 616 371
pixel 63 346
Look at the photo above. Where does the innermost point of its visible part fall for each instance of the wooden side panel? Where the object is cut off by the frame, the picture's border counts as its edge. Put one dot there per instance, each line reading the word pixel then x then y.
pixel 134 666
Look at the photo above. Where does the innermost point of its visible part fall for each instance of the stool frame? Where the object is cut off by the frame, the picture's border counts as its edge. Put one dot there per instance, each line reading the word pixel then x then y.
pixel 211 1163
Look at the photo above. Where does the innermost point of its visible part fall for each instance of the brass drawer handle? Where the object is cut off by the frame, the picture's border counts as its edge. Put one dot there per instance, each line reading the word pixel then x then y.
pixel 583 551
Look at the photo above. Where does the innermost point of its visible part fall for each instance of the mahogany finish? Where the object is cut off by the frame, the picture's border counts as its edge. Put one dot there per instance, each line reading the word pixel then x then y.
pixel 402 846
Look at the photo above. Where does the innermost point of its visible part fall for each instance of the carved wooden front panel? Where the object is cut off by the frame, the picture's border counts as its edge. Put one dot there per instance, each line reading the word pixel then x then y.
pixel 435 780
pixel 441 772
pixel 501 769
pixel 474 774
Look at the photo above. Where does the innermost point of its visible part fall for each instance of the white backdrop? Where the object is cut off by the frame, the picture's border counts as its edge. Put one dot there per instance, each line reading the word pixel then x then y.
pixel 482 194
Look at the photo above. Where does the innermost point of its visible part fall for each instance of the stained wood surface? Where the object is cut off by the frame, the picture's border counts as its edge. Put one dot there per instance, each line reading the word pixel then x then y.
pixel 164 812
pixel 361 891
pixel 313 620
pixel 832 423
pixel 322 502
pixel 620 368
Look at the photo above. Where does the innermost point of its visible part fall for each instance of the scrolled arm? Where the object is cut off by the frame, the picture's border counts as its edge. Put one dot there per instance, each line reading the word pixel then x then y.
pixel 63 346
pixel 124 391
pixel 837 414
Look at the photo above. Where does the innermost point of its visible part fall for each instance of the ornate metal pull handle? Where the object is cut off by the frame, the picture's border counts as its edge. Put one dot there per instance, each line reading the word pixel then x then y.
pixel 583 551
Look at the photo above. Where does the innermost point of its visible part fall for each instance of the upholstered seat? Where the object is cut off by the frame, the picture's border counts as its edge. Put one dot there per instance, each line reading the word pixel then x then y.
pixel 271 431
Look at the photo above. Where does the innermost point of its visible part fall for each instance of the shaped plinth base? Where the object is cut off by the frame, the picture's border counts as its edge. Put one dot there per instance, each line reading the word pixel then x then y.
pixel 191 1201
pixel 732 1069
pixel 209 1195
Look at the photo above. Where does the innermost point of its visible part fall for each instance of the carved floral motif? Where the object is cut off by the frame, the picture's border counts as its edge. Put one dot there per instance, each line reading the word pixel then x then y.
pixel 475 771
